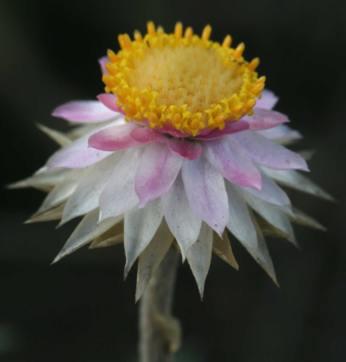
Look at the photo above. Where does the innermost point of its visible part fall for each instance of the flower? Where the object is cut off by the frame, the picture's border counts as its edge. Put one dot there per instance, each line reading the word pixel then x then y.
pixel 183 147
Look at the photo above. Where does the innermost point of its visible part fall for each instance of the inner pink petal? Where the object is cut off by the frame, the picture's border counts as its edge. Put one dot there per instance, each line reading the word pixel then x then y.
pixel 185 149
pixel 230 127
pixel 264 119
pixel 110 101
pixel 172 131
pixel 103 61
pixel 83 112
pixel 268 100
pixel 113 138
pixel 146 135
pixel 228 157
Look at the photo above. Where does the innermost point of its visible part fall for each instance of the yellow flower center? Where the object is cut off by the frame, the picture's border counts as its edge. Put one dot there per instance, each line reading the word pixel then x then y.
pixel 182 80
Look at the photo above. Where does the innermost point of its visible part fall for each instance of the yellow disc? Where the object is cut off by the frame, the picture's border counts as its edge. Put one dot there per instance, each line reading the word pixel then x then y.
pixel 182 80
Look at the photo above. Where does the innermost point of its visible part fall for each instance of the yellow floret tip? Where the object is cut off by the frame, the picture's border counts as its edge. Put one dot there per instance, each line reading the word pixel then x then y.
pixel 182 80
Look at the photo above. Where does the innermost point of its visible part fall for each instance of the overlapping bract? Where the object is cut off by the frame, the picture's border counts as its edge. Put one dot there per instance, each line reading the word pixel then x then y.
pixel 150 190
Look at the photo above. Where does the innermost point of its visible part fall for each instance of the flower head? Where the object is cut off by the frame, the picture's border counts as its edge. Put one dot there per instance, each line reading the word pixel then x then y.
pixel 183 148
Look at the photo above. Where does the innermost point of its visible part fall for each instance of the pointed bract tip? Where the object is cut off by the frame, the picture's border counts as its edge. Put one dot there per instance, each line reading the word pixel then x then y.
pixel 274 279
pixel 138 296
pixel 201 293
pixel 295 243
pixel 33 218
pixel 255 183
pixel 64 220
pixel 219 230
pixel 183 257
pixel 29 221
pixel 292 239
pixel 56 113
pixel 328 197
pixel 142 202
pixel 56 259
pixel 126 271
pixel 61 223
pixel 322 228
pixel 303 166
pixel 14 185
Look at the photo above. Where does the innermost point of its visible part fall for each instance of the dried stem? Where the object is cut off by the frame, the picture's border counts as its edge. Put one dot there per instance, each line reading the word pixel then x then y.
pixel 159 331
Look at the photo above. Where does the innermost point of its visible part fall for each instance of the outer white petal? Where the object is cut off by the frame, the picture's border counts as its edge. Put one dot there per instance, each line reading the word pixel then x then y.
pixel 223 249
pixel 241 225
pixel 107 242
pixel 301 218
pixel 52 214
pixel 140 226
pixel 76 155
pixel 87 230
pixel 270 192
pixel 240 222
pixel 57 136
pixel 113 236
pixel 86 197
pixel 298 182
pixel 268 153
pixel 272 214
pixel 151 258
pixel 43 179
pixel 281 134
pixel 265 262
pixel 59 194
pixel 205 190
pixel 156 173
pixel 199 257
pixel 119 195
pixel 183 223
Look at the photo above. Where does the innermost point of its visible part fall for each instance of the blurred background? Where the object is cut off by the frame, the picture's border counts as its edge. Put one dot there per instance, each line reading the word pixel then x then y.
pixel 81 309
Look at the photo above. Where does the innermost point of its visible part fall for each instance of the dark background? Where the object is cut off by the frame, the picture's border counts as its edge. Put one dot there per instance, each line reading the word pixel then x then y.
pixel 80 309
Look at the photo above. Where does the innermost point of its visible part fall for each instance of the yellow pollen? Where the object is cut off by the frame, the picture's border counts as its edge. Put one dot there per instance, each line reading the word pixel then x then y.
pixel 182 80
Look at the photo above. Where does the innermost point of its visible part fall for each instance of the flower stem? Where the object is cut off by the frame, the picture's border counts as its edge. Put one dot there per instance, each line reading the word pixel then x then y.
pixel 159 331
